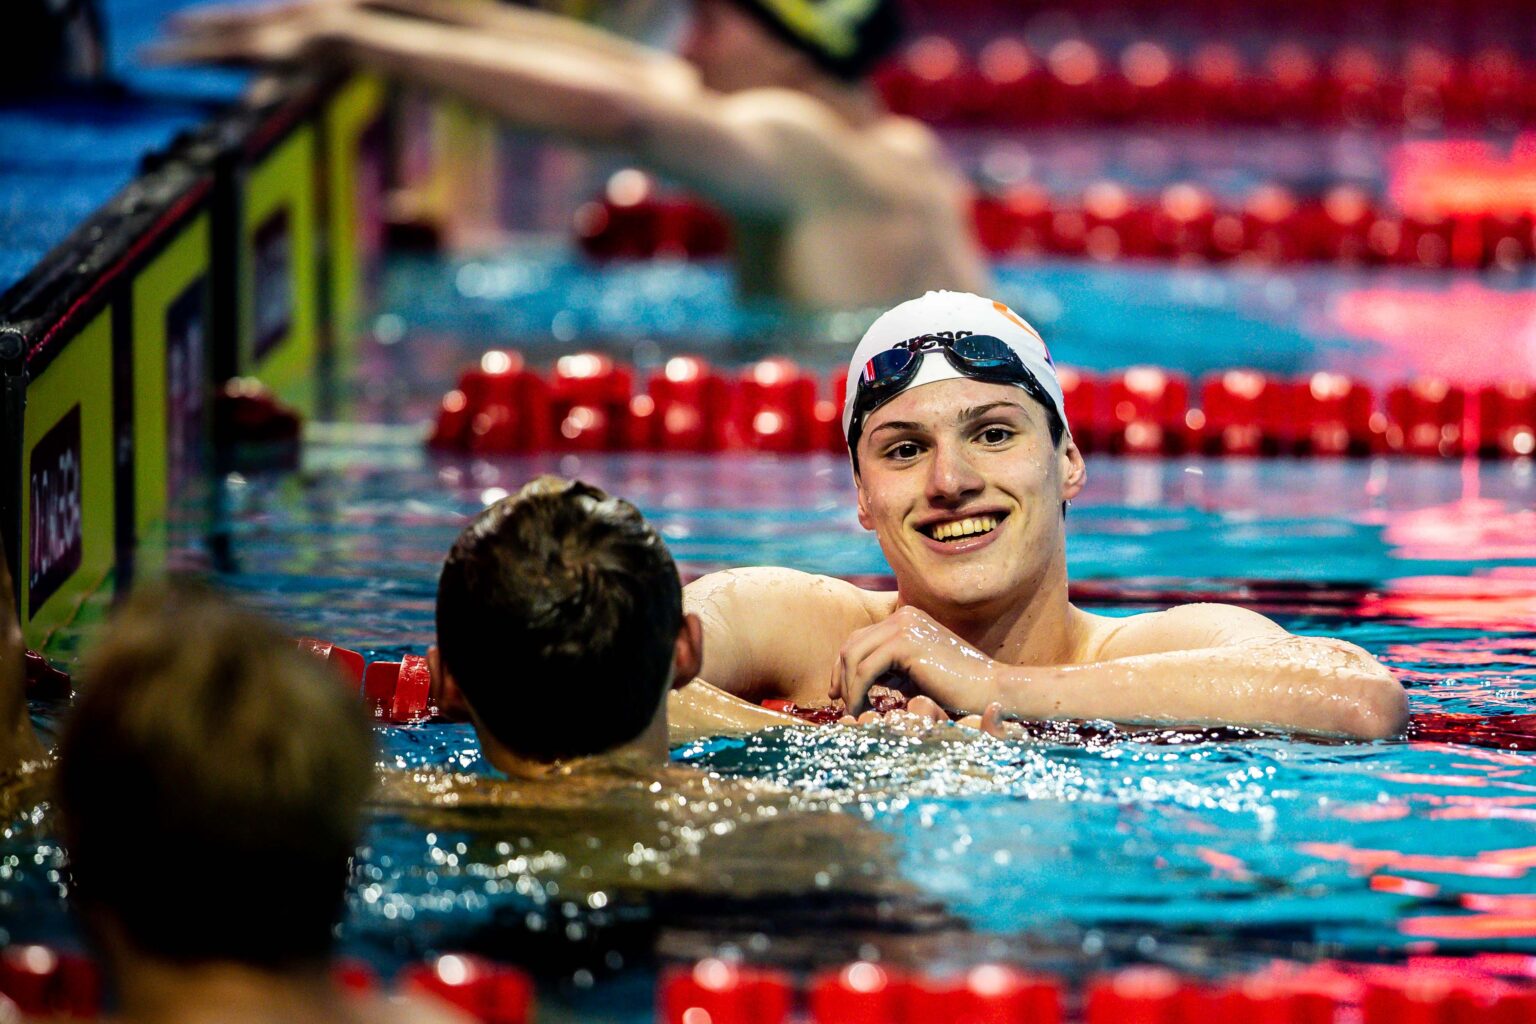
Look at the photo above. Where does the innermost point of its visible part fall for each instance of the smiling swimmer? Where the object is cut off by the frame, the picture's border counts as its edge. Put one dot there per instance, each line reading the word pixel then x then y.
pixel 963 463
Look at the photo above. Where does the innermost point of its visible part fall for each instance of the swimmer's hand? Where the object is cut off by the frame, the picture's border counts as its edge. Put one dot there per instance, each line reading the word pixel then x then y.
pixel 923 714
pixel 911 644
pixel 246 34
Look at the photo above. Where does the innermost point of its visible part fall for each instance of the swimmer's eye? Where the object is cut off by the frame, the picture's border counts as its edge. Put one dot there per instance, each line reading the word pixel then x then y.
pixel 903 451
pixel 996 435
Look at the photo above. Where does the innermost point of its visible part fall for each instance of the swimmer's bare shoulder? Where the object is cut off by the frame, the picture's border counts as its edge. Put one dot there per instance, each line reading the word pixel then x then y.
pixel 776 633
pixel 1204 626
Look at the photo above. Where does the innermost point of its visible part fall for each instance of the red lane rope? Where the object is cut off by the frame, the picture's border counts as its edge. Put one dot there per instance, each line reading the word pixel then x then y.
pixel 589 402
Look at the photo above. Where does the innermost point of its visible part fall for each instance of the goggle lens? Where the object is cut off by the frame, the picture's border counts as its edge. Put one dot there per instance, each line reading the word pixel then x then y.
pixel 885 365
pixel 984 352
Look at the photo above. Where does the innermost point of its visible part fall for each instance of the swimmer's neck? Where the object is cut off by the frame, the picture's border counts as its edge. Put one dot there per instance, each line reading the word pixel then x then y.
pixel 859 104
pixel 647 751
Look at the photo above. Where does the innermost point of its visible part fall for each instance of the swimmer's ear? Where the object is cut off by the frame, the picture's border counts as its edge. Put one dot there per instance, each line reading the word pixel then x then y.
pixel 1074 471
pixel 865 519
pixel 688 654
pixel 446 695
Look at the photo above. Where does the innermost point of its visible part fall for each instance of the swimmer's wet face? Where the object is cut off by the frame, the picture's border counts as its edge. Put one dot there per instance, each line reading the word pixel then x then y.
pixel 962 483
pixel 558 617
pixel 207 755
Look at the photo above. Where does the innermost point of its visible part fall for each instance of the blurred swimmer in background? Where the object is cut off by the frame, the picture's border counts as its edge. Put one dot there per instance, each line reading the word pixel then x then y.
pixel 835 202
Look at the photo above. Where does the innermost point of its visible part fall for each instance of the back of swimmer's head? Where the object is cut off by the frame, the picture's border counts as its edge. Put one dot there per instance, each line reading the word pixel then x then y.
pixel 211 780
pixel 558 613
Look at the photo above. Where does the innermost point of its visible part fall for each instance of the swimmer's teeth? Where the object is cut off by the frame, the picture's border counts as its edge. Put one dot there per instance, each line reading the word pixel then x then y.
pixel 965 528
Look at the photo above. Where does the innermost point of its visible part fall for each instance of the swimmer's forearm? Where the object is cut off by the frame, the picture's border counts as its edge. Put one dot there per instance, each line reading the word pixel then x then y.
pixel 1307 688
pixel 536 87
pixel 699 709
pixel 528 26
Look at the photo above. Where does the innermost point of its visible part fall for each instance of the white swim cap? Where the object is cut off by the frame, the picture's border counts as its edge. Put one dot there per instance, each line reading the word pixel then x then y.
pixel 952 314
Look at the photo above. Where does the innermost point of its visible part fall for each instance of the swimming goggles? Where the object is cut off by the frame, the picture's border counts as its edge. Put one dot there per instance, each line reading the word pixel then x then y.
pixel 980 356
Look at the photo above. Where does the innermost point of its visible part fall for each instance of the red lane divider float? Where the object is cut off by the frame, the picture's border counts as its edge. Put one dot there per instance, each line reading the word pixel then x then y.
pixel 1008 83
pixel 502 407
pixel 40 981
pixel 489 992
pixel 1186 224
pixel 399 692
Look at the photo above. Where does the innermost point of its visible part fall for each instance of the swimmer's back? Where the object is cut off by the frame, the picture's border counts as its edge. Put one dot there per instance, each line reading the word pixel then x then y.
pixel 909 232
pixel 799 622
pixel 842 214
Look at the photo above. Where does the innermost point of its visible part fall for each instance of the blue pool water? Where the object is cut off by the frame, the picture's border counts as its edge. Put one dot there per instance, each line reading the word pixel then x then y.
pixel 1383 326
pixel 804 847
pixel 1080 850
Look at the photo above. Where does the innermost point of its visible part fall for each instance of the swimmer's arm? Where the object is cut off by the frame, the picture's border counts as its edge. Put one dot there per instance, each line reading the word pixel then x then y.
pixel 1292 683
pixel 698 710
pixel 534 83
pixel 763 151
pixel 525 24
pixel 1199 664
pixel 767 151
pixel 767 629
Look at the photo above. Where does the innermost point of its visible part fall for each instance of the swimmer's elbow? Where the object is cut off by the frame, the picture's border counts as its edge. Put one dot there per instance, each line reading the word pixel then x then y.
pixel 1379 708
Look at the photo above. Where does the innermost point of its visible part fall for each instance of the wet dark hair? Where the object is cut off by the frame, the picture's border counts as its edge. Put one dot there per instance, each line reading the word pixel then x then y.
pixel 211 780
pixel 558 612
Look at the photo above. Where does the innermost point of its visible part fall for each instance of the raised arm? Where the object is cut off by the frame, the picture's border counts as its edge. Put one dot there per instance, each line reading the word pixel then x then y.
pixel 525 24
pixel 1195 665
pixel 759 151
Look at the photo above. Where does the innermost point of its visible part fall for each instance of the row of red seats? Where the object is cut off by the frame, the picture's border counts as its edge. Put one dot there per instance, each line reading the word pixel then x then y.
pixel 1271 225
pixel 1185 222
pixel 1008 83
pixel 589 403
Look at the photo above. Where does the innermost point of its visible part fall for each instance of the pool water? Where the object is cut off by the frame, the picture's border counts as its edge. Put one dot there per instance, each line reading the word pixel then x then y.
pixel 806 847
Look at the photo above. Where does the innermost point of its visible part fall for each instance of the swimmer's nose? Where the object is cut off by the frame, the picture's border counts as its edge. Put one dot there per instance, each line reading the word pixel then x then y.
pixel 952 480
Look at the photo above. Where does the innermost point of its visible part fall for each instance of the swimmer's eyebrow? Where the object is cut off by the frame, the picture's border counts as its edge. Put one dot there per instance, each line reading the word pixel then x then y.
pixel 976 412
pixel 970 415
pixel 896 425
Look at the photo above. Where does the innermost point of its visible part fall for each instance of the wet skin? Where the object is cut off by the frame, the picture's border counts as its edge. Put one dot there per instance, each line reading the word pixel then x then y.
pixel 964 490
pixel 964 449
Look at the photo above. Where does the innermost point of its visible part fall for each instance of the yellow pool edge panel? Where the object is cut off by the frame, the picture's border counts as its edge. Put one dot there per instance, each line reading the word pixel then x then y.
pixel 109 381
